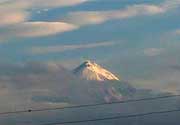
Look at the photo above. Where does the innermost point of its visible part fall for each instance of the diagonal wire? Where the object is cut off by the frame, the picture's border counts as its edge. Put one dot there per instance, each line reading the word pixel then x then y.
pixel 87 105
pixel 114 118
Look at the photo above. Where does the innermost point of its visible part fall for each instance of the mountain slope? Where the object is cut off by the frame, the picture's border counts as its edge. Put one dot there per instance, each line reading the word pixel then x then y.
pixel 47 84
pixel 92 71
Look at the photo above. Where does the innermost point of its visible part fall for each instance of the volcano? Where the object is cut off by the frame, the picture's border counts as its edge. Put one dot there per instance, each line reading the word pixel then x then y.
pixel 91 71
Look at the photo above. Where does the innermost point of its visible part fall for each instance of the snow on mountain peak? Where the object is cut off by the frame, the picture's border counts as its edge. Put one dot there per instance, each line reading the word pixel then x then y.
pixel 91 71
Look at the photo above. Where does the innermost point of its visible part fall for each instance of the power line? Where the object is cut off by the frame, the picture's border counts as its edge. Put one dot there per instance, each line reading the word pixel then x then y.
pixel 114 118
pixel 87 105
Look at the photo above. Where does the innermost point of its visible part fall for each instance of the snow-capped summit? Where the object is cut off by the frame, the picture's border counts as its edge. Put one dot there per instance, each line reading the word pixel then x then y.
pixel 91 71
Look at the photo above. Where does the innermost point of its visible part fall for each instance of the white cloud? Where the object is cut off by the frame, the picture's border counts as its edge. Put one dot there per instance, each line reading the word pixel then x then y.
pixel 15 15
pixel 153 51
pixel 36 29
pixel 12 18
pixel 85 18
pixel 96 17
pixel 12 13
pixel 170 4
pixel 176 32
pixel 41 3
pixel 62 48
pixel 55 3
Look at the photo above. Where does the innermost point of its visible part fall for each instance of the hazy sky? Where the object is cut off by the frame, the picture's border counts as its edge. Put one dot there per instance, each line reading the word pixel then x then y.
pixel 136 39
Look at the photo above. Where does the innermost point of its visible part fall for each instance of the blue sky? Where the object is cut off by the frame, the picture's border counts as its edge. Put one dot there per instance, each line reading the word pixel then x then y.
pixel 136 39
